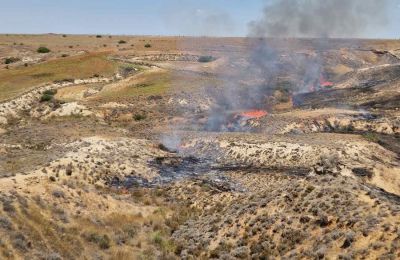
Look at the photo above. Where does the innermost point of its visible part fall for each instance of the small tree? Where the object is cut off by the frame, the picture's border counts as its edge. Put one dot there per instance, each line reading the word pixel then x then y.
pixel 43 50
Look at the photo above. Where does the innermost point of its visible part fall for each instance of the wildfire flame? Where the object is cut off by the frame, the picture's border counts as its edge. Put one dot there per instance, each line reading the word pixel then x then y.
pixel 254 114
pixel 324 83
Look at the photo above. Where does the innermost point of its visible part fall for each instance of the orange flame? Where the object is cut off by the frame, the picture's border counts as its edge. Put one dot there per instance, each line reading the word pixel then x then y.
pixel 254 113
pixel 324 83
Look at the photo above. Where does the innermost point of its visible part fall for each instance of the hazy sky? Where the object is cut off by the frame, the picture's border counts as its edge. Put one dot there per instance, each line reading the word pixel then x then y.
pixel 151 17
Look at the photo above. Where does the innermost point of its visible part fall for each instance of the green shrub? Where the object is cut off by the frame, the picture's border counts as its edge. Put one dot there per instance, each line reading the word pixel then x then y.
pixel 51 92
pixel 43 50
pixel 122 42
pixel 102 241
pixel 48 95
pixel 64 35
pixel 11 60
pixel 206 59
pixel 139 117
pixel 99 36
pixel 157 239
pixel 46 98
pixel 147 45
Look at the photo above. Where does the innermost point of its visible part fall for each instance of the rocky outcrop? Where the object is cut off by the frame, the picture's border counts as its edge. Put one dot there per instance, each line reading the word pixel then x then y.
pixel 26 101
pixel 344 124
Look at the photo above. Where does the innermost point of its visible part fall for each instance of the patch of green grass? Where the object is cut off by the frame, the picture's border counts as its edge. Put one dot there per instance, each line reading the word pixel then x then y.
pixel 154 84
pixel 14 82
pixel 371 137
pixel 162 242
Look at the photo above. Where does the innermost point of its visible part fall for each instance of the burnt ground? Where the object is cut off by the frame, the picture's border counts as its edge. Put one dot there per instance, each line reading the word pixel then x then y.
pixel 160 160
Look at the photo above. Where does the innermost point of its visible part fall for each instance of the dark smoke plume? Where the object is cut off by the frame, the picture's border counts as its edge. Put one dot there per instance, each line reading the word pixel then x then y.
pixel 322 18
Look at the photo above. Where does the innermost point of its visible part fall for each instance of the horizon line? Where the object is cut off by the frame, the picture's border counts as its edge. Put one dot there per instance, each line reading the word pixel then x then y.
pixel 194 36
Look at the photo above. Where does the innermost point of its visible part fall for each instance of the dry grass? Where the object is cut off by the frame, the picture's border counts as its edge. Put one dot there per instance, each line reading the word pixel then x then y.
pixel 16 81
pixel 73 93
pixel 47 225
pixel 146 83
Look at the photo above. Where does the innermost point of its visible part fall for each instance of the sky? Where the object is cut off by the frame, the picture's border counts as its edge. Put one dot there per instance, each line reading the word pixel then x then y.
pixel 151 17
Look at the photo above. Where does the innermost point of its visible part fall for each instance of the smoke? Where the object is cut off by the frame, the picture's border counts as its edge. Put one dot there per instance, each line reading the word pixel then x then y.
pixel 172 140
pixel 322 18
pixel 302 62
pixel 275 68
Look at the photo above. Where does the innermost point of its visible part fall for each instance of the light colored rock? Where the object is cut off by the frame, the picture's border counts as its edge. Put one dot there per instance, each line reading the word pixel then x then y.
pixel 3 120
pixel 117 157
pixel 113 105
pixel 29 99
pixel 70 109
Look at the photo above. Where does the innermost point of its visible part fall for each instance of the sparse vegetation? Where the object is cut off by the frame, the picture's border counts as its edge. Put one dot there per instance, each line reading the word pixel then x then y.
pixel 19 80
pixel 121 42
pixel 371 137
pixel 103 241
pixel 147 45
pixel 92 171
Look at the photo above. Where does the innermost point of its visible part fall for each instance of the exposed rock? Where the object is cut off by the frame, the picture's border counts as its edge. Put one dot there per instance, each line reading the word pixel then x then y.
pixel 3 120
pixel 70 109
